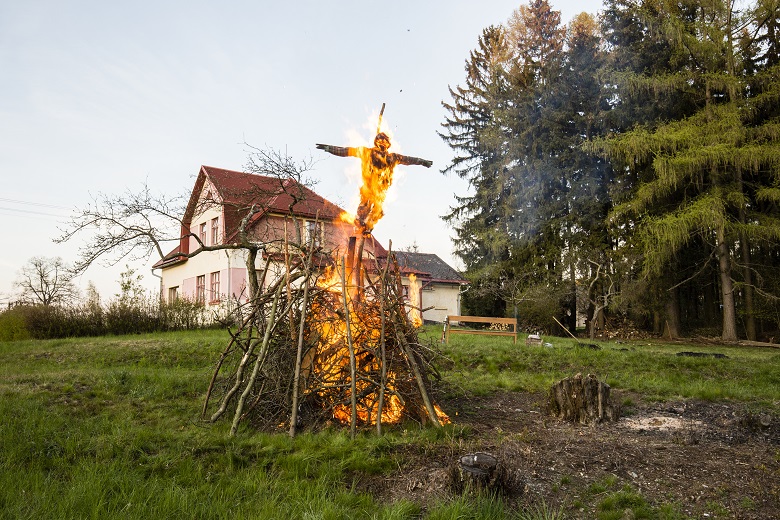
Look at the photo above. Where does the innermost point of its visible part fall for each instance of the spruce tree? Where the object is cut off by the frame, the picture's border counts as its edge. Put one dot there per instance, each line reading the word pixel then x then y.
pixel 475 134
pixel 702 164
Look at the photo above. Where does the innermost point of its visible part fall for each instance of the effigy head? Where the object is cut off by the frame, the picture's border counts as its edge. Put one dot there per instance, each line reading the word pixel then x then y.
pixel 382 141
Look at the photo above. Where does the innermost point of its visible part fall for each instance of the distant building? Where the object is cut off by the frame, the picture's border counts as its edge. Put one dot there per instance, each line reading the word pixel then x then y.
pixel 440 284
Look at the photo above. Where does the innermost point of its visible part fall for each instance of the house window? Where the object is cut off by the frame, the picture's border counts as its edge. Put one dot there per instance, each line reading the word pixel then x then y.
pixel 215 287
pixel 202 234
pixel 313 233
pixel 173 294
pixel 215 231
pixel 200 288
pixel 405 292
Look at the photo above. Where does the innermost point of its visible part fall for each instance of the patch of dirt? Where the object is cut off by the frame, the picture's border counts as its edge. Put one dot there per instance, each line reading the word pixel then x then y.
pixel 712 460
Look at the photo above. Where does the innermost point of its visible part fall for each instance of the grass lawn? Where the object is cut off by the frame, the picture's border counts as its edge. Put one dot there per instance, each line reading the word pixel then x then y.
pixel 484 364
pixel 109 427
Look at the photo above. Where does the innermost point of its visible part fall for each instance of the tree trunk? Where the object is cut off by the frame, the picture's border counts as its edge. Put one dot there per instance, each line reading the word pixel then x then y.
pixel 726 288
pixel 572 322
pixel 750 315
pixel 582 400
pixel 709 301
pixel 672 324
pixel 251 274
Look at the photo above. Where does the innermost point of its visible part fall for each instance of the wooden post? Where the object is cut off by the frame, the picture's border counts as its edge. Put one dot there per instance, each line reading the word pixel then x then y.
pixel 357 268
pixel 382 353
pixel 351 347
pixel 299 353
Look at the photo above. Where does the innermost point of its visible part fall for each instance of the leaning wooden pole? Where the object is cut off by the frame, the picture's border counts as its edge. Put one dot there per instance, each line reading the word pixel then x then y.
pixel 299 353
pixel 234 339
pixel 270 325
pixel 409 354
pixel 420 383
pixel 351 347
pixel 382 352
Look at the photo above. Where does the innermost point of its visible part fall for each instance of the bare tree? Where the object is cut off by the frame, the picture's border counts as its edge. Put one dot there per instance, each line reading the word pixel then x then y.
pixel 141 224
pixel 46 281
pixel 134 225
pixel 601 292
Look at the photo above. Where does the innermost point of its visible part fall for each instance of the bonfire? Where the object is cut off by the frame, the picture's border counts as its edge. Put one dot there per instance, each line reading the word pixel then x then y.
pixel 333 340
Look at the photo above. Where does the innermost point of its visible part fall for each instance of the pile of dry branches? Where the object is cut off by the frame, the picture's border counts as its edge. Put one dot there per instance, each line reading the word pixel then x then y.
pixel 313 350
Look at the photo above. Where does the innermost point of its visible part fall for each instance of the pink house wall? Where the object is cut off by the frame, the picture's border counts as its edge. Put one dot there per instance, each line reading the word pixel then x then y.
pixel 188 288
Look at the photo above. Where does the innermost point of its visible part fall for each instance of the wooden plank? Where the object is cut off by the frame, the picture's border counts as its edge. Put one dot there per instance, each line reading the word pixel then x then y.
pixel 481 319
pixel 486 332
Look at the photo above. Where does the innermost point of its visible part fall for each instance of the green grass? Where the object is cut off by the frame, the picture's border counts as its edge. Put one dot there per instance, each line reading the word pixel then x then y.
pixel 485 364
pixel 108 428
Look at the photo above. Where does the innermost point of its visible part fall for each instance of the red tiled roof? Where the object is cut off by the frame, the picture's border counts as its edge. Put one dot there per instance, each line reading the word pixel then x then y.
pixel 436 268
pixel 172 258
pixel 240 191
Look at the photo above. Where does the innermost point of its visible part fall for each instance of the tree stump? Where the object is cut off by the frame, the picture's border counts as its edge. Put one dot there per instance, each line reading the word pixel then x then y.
pixel 482 472
pixel 582 400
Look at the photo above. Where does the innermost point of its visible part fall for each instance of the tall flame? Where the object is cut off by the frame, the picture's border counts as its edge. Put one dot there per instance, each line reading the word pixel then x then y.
pixel 331 365
pixel 414 300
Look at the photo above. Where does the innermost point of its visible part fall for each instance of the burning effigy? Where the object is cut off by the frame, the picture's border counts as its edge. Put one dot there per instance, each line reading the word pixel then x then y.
pixel 333 340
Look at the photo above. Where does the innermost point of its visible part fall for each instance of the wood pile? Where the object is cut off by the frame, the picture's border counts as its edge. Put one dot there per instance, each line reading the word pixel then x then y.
pixel 312 351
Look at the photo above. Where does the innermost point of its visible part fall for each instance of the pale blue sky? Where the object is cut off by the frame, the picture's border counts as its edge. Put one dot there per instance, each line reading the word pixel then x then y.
pixel 99 96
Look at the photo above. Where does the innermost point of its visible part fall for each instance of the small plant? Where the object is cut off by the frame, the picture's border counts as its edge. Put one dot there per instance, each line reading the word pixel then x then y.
pixel 718 509
pixel 747 504
pixel 614 506
pixel 541 512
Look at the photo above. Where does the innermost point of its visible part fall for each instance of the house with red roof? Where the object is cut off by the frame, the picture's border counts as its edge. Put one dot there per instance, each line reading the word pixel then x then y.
pixel 439 284
pixel 227 208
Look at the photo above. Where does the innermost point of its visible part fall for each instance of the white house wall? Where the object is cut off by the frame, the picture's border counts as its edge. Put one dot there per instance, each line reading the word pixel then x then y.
pixel 445 298
pixel 229 263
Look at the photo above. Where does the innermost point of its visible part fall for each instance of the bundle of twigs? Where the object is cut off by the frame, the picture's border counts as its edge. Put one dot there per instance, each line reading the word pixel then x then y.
pixel 309 354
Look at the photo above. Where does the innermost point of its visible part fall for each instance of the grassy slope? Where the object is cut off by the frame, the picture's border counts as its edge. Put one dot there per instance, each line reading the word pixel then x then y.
pixel 108 427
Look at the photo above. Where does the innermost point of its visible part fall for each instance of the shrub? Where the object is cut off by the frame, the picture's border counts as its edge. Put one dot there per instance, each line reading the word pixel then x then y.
pixel 48 321
pixel 12 325
pixel 118 317
pixel 182 314
pixel 540 304
pixel 132 318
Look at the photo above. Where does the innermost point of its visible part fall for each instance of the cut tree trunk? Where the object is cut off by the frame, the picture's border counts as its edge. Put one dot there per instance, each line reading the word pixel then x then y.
pixel 583 400
pixel 482 472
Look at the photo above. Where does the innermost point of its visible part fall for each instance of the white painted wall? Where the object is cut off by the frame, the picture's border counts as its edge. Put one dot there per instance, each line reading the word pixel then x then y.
pixel 444 297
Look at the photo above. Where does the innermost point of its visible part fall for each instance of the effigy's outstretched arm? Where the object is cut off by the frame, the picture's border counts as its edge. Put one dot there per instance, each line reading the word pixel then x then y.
pixel 341 151
pixel 413 161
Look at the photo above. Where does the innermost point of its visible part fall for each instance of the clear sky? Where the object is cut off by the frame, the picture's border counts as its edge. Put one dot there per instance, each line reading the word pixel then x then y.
pixel 101 96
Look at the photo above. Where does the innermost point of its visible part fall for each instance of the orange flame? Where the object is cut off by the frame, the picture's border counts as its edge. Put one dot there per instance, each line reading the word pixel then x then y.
pixel 332 363
pixel 347 217
pixel 414 300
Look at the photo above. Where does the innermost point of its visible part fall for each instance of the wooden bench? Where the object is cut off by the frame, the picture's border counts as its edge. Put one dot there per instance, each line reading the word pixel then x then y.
pixel 510 322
